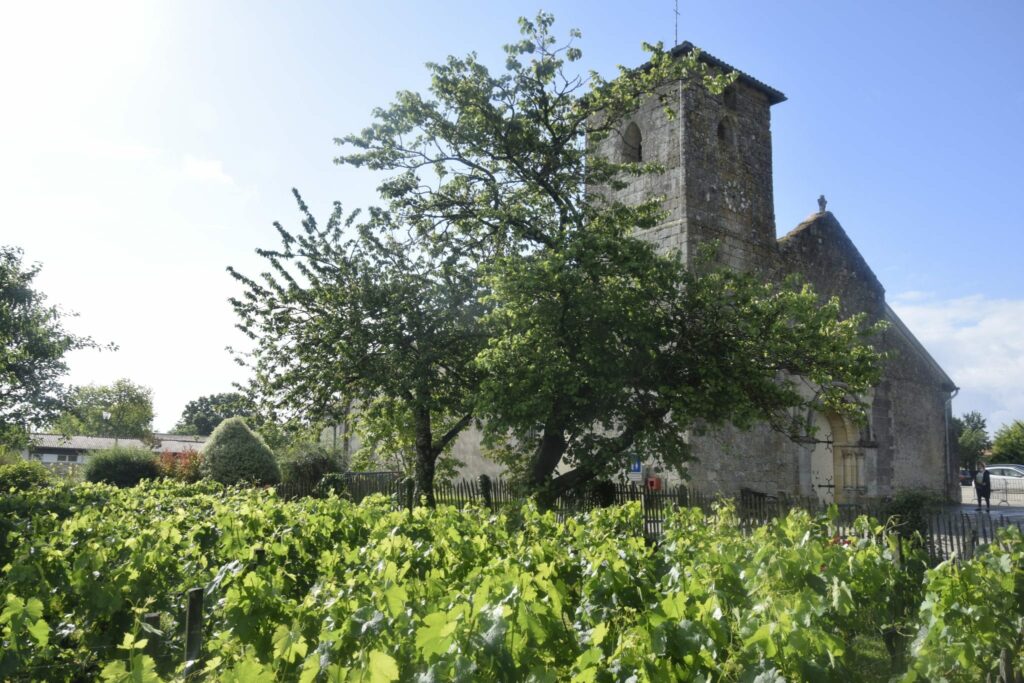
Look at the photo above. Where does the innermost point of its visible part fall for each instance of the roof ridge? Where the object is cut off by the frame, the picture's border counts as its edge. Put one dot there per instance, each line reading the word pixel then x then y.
pixel 686 47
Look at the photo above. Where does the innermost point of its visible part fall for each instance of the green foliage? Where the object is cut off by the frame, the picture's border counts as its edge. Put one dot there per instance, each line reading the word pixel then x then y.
pixel 235 455
pixel 10 455
pixel 372 593
pixel 598 348
pixel 911 509
pixel 309 464
pixel 202 415
pixel 387 438
pixel 332 483
pixel 971 445
pixel 123 410
pixel 1008 445
pixel 375 330
pixel 24 476
pixel 122 467
pixel 971 614
pixel 33 344
pixel 971 435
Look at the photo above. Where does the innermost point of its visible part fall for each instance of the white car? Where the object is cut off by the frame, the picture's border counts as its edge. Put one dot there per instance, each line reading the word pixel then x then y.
pixel 1006 476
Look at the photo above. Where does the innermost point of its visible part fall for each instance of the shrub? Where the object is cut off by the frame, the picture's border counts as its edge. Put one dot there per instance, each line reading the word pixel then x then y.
pixel 309 464
pixel 333 482
pixel 24 476
pixel 122 467
pixel 910 511
pixel 184 466
pixel 234 454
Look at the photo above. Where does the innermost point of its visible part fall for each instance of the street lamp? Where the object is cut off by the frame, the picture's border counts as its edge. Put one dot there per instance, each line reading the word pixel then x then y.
pixel 106 418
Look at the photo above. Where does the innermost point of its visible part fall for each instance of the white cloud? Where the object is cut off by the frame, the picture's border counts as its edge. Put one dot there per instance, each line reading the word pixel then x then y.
pixel 980 343
pixel 205 170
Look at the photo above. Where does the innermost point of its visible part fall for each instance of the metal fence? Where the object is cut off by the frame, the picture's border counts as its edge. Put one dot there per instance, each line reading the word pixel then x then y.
pixel 1006 492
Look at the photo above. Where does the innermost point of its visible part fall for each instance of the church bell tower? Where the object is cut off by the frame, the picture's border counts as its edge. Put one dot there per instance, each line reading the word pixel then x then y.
pixel 717 155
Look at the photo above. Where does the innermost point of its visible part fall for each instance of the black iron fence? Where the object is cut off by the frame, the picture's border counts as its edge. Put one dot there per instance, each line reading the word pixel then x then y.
pixel 946 533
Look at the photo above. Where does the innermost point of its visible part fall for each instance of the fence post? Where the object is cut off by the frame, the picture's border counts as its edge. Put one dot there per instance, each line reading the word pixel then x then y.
pixel 485 491
pixel 193 631
pixel 152 622
pixel 410 492
pixel 1006 672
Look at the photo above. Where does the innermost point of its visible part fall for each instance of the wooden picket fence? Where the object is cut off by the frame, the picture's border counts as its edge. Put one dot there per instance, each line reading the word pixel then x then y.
pixel 946 534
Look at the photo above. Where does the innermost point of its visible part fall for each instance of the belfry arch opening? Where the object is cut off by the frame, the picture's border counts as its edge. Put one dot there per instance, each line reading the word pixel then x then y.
pixel 632 144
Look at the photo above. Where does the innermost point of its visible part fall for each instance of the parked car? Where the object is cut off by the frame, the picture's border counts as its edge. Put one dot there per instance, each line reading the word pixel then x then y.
pixel 965 477
pixel 1008 473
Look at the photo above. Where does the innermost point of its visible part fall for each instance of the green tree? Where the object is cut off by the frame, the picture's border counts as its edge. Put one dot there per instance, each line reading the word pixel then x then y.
pixel 33 345
pixel 202 415
pixel 971 435
pixel 1008 445
pixel 122 409
pixel 374 329
pixel 971 445
pixel 599 347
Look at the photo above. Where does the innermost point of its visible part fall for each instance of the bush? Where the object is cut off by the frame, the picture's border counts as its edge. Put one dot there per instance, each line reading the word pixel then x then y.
pixel 234 455
pixel 333 482
pixel 910 511
pixel 184 466
pixel 308 465
pixel 122 467
pixel 24 476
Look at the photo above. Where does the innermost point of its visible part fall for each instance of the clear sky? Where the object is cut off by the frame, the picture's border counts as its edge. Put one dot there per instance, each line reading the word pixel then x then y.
pixel 145 146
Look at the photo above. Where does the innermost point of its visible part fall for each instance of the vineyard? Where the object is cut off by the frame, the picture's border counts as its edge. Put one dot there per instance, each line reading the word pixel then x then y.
pixel 94 583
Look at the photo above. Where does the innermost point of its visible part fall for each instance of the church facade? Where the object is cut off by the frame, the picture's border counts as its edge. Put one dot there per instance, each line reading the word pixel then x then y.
pixel 717 186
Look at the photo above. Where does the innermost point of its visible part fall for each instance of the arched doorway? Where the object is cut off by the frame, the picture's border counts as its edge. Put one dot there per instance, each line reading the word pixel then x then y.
pixel 828 439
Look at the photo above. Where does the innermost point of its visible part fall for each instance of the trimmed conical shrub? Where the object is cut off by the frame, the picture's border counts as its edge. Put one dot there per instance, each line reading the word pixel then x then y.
pixel 235 455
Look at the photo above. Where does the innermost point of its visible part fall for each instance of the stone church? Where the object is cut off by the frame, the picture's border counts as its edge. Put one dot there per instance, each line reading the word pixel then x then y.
pixel 717 155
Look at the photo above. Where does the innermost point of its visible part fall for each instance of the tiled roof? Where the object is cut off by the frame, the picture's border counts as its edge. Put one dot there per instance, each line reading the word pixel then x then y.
pixel 774 96
pixel 165 442
pixel 83 443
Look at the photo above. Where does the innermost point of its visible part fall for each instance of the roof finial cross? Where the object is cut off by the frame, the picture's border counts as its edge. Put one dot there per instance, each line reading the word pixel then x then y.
pixel 676 38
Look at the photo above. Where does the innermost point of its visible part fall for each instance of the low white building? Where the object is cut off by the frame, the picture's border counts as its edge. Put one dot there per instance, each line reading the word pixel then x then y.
pixel 59 449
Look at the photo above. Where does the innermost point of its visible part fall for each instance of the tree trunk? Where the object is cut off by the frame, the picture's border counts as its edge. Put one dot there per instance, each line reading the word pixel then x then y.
pixel 425 455
pixel 547 456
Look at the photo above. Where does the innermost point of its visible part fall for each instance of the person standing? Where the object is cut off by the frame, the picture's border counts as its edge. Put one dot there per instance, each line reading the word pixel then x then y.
pixel 983 486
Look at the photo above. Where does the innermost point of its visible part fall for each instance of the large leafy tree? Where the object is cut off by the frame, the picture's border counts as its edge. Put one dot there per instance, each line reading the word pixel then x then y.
pixel 599 347
pixel 971 435
pixel 122 409
pixel 202 415
pixel 1008 446
pixel 357 316
pixel 33 347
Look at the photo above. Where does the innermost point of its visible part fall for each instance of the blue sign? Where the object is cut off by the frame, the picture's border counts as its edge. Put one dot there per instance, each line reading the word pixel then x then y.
pixel 636 467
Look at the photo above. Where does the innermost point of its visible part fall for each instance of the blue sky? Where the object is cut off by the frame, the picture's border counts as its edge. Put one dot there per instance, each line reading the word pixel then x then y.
pixel 146 146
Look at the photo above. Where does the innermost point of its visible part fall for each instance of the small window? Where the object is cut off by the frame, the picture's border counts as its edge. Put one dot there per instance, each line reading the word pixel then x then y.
pixel 725 133
pixel 729 97
pixel 67 457
pixel 632 144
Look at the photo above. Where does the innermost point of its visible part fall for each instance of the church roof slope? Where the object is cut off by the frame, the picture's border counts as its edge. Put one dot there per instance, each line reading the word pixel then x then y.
pixel 820 237
pixel 933 365
pixel 686 47
pixel 821 251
